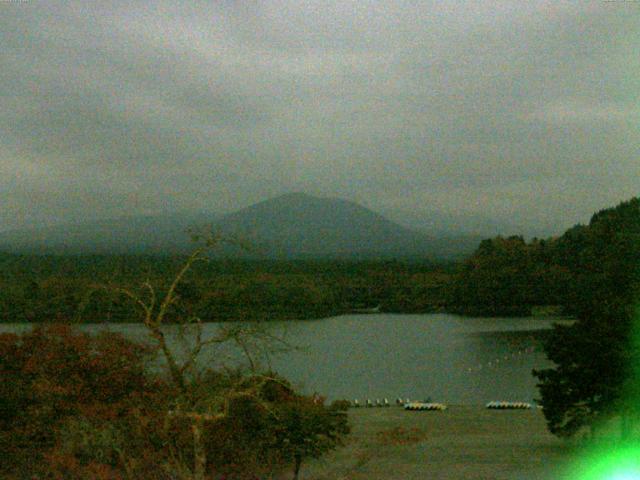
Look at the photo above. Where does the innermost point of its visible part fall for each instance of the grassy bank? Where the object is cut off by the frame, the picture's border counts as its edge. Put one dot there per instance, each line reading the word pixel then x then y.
pixel 460 443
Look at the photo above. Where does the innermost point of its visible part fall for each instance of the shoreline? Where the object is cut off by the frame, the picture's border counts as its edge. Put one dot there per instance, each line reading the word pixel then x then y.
pixel 559 318
pixel 461 443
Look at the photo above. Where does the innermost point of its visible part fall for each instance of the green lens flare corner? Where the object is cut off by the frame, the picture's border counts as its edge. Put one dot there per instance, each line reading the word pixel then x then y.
pixel 616 460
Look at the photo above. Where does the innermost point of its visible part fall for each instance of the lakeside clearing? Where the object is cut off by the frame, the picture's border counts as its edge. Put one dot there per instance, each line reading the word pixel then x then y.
pixel 461 443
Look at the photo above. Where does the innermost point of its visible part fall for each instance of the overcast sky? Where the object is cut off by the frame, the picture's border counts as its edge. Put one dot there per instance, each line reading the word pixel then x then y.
pixel 525 111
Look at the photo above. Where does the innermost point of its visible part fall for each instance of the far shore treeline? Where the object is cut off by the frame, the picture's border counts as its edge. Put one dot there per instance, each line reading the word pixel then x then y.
pixel 88 288
pixel 504 276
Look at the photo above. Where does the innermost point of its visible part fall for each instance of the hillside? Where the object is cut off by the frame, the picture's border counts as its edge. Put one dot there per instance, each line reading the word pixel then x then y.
pixel 297 225
pixel 589 265
pixel 135 234
pixel 289 226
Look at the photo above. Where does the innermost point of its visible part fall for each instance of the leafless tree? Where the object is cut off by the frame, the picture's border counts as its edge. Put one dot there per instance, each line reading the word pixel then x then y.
pixel 254 340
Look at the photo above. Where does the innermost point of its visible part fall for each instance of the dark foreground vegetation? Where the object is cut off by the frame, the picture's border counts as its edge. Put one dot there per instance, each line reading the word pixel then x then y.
pixel 80 407
pixel 75 406
pixel 597 373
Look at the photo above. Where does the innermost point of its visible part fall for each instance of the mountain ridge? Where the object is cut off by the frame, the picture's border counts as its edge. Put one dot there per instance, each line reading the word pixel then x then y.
pixel 293 225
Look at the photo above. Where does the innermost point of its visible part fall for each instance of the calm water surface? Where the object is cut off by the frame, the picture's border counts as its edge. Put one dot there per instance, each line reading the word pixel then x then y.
pixel 461 360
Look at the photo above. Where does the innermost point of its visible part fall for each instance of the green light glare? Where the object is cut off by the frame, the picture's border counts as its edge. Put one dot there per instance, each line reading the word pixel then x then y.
pixel 611 459
pixel 615 463
pixel 625 476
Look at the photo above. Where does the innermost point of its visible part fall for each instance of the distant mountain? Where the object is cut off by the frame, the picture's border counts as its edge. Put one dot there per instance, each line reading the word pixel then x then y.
pixel 294 225
pixel 298 225
pixel 135 234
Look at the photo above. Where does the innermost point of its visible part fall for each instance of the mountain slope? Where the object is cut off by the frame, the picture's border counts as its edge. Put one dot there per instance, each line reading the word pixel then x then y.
pixel 301 226
pixel 289 226
pixel 135 234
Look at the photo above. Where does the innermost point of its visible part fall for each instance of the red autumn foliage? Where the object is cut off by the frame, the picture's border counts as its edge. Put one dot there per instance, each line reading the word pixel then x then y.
pixel 53 374
pixel 75 406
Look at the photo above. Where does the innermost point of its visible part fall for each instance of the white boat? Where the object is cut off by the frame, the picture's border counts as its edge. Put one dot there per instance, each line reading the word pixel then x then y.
pixel 367 310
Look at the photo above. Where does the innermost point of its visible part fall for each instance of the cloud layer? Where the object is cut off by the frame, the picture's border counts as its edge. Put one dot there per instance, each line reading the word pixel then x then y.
pixel 525 111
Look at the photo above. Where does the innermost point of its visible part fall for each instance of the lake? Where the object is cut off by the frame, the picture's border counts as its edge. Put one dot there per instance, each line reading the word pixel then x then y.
pixel 447 358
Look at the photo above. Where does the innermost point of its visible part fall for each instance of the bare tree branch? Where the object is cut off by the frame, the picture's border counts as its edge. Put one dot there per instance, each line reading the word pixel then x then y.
pixel 252 339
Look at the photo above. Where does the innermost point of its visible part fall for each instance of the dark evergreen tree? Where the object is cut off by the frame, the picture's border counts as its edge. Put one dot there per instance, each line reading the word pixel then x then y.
pixel 595 376
pixel 508 276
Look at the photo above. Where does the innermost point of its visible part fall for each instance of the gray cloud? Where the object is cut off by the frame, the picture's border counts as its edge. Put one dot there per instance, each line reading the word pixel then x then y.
pixel 525 110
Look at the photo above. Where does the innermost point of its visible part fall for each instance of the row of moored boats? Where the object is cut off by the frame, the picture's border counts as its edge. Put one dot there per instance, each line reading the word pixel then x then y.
pixel 428 405
pixel 509 405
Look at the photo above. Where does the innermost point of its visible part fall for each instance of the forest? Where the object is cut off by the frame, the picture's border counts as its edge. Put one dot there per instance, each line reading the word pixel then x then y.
pixel 89 288
pixel 509 276
pixel 504 276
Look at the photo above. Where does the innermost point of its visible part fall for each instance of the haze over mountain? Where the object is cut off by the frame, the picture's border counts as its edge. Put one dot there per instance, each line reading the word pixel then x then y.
pixel 302 225
pixel 133 234
pixel 294 225
pixel 444 224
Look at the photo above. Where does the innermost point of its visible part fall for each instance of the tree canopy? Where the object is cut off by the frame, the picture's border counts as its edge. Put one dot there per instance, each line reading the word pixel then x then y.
pixel 597 357
pixel 87 407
